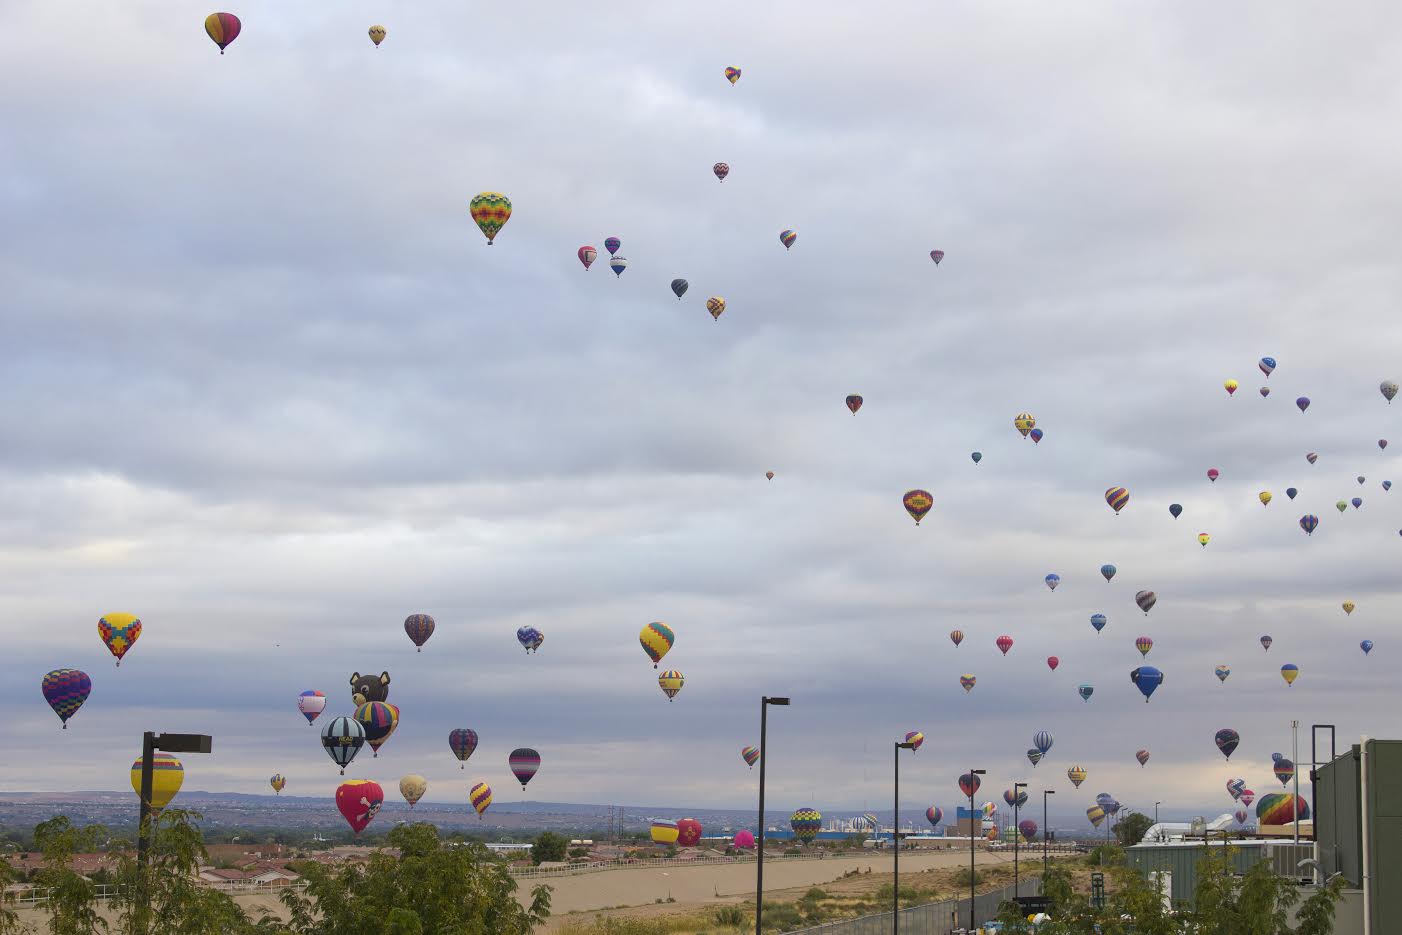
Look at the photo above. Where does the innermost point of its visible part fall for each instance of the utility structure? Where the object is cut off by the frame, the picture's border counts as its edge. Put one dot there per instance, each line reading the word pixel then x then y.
pixel 764 702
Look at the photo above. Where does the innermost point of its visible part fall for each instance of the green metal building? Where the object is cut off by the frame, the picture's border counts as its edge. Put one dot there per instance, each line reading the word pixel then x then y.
pixel 1175 865
pixel 1358 825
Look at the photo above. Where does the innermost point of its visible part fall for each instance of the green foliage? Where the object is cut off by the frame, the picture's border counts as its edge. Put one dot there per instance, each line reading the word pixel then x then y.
pixel 961 878
pixel 548 846
pixel 72 902
pixel 1130 830
pixel 462 890
pixel 733 915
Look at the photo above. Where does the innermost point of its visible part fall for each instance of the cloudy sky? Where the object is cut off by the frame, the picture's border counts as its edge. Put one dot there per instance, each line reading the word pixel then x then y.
pixel 267 387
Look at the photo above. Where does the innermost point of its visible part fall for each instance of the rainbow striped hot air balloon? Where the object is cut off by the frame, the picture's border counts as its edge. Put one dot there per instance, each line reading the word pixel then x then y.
pixel 65 690
pixel 787 238
pixel 750 755
pixel 1144 644
pixel 1118 498
pixel 167 776
pixel 806 823
pixel 378 719
pixel 968 681
pixel 934 815
pixel 915 739
pixel 1281 808
pixel 657 639
pixel 491 211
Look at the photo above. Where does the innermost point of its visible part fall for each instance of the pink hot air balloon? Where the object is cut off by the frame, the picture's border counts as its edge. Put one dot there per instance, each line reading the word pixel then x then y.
pixel 937 255
pixel 1213 474
pixel 1247 797
pixel 587 256
pixel 1005 643
pixel 1053 662
pixel 969 783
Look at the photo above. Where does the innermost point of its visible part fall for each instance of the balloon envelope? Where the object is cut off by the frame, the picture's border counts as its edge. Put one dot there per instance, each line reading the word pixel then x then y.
pixel 664 832
pixel 462 741
pixel 1281 808
pixel 480 796
pixel 524 763
pixel 917 503
pixel 806 823
pixel 1267 364
pixel 1289 672
pixel 656 639
pixel 587 255
pixel 1147 679
pixel 956 636
pixel 688 832
pixel 419 628
pixel 1227 740
pixel 491 211
pixel 1108 571
pixel 1085 690
pixel 854 402
pixel 969 783
pixel 222 29
pixel 744 840
pixel 1117 498
pixel 732 74
pixel 1098 621
pixel 413 787
pixel 1028 829
pixel 65 690
pixel 1303 402
pixel 679 286
pixel 120 632
pixel 1146 600
pixel 968 681
pixel 167 775
pixel 934 814
pixel 1366 646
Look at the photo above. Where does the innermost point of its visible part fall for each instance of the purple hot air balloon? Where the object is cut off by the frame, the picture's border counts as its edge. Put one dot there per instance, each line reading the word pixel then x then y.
pixel 937 255
pixel 1309 523
pixel 611 244
pixel 934 814
pixel 65 690
pixel 462 742
pixel 1303 402
pixel 1227 740
pixel 1311 457
pixel 524 762
pixel 1266 642
pixel 419 627
pixel 1028 829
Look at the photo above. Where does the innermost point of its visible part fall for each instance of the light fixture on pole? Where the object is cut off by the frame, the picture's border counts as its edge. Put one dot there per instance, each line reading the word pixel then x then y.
pixel 896 837
pixel 1045 793
pixel 1017 832
pixel 150 743
pixel 972 774
pixel 764 703
pixel 1156 812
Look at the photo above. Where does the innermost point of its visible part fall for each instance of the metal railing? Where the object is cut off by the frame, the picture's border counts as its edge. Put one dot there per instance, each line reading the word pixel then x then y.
pixel 942 918
pixel 39 896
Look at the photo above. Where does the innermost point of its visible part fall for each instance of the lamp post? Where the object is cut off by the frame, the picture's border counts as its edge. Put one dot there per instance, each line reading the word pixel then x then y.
pixel 150 743
pixel 972 774
pixel 1314 793
pixel 1017 833
pixel 896 836
pixel 764 703
pixel 1045 793
pixel 1295 760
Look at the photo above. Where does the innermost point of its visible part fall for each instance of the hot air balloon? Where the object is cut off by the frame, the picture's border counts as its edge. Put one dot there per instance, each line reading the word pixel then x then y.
pixel 587 255
pixel 1108 571
pixel 1085 690
pixel 1096 814
pixel 969 783
pixel 377 35
pixel 1348 606
pixel 1036 436
pixel 806 823
pixel 379 720
pixel 1004 643
pixel 1266 642
pixel 1277 757
pixel 167 776
pixel 1360 478
pixel 769 475
pixel 671 682
pixel 1227 740
pixel 278 782
pixel 688 832
pixel 413 787
pixel 1387 485
pixel 1311 457
pixel 732 74
pixel 787 238
pixel 1077 775
pixel 1289 672
pixel 1264 391
pixel 530 638
pixel 311 703
pixel 1147 679
pixel 1341 505
pixel 937 255
pixel 1222 672
pixel 419 627
pixel 523 762
pixel 657 639
pixel 1053 662
pixel 916 739
pixel 1105 800
pixel 1267 364
pixel 1098 621
pixel 462 741
pixel 1175 509
pixel 1042 740
pixel 491 211
pixel 481 797
pixel 612 245
pixel 854 402
pixel 917 504
pixel 120 632
pixel 1284 771
pixel 721 170
pixel 1024 422
pixel 934 815
pixel 1117 497
pixel 1144 644
pixel 1366 646
pixel 1290 492
pixel 1052 581
pixel 1146 601
pixel 715 305
pixel 1309 523
pixel 750 755
pixel 956 636
pixel 1015 801
pixel 1382 444
pixel 342 738
pixel 223 28
pixel 618 264
pixel 1247 796
pixel 977 456
pixel 1265 497
pixel 1357 502
pixel 1235 787
pixel 1303 402
pixel 1028 829
pixel 968 682
pixel 664 832
pixel 1230 387
pixel 1213 474
pixel 1204 539
pixel 1388 389
pixel 1142 756
pixel 1240 816
pixel 65 690
pixel 744 840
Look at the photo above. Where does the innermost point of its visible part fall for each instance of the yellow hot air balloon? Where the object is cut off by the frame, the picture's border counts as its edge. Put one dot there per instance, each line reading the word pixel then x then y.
pixel 1204 539
pixel 715 305
pixel 413 787
pixel 671 682
pixel 377 34
pixel 1024 423
pixel 1348 607
pixel 657 639
pixel 491 211
pixel 1077 775
pixel 481 797
pixel 278 782
pixel 1265 496
pixel 167 775
pixel 1230 386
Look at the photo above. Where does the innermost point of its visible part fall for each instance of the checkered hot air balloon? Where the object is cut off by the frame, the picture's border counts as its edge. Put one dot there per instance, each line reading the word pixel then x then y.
pixel 716 306
pixel 120 632
pixel 65 690
pixel 806 823
pixel 491 211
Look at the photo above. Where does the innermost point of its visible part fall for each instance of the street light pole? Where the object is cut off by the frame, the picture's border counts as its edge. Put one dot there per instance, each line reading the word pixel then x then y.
pixel 764 702
pixel 972 774
pixel 1295 760
pixel 1045 793
pixel 150 743
pixel 896 837
pixel 1017 832
pixel 1314 789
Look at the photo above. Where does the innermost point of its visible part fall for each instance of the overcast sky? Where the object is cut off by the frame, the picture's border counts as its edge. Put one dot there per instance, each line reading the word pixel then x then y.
pixel 267 387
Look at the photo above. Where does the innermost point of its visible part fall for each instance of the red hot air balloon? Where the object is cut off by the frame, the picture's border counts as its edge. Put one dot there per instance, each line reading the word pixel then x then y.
pixel 937 255
pixel 587 255
pixel 1213 474
pixel 223 28
pixel 1053 662
pixel 688 832
pixel 1005 643
pixel 969 783
pixel 854 402
pixel 359 800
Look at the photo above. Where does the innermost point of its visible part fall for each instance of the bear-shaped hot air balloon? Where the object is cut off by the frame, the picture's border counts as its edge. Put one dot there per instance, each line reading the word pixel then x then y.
pixel 367 688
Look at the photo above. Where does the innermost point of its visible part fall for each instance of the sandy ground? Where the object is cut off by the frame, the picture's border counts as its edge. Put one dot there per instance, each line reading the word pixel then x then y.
pixel 255 904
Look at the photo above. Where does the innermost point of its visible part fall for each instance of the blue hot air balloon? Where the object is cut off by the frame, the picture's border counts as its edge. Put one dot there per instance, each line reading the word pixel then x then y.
pixel 1042 740
pixel 1290 492
pixel 1085 690
pixel 1366 646
pixel 1108 571
pixel 1309 523
pixel 1053 580
pixel 1267 364
pixel 1176 509
pixel 1303 402
pixel 1387 485
pixel 1098 621
pixel 1148 679
pixel 1357 502
pixel 977 456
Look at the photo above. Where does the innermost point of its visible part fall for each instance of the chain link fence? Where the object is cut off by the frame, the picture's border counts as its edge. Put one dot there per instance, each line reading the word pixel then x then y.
pixel 944 918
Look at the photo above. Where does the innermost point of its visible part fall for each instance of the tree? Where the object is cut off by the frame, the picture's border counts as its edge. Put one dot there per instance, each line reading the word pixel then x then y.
pixel 548 846
pixel 72 904
pixel 429 887
pixel 1130 830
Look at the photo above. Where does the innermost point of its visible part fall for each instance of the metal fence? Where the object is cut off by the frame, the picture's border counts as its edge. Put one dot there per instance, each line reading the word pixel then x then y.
pixel 932 918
